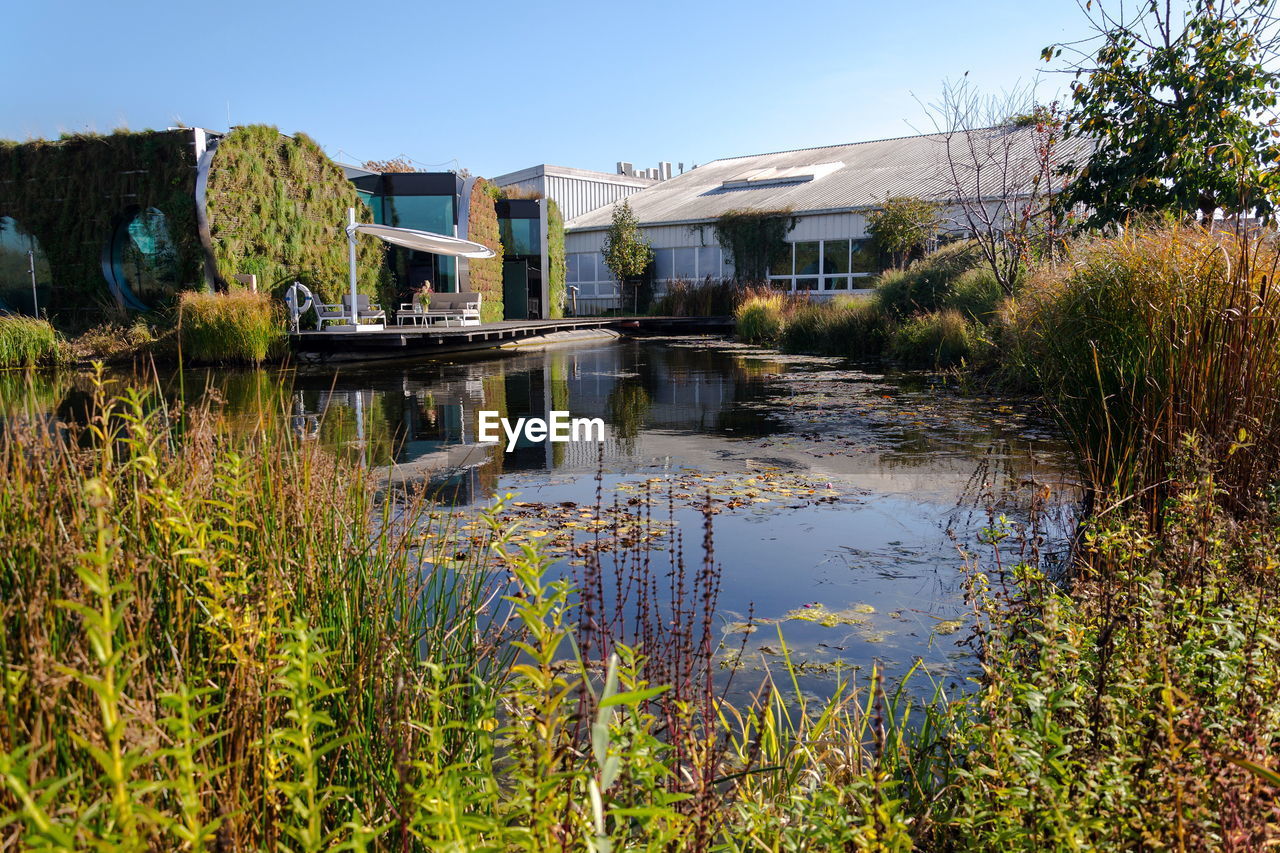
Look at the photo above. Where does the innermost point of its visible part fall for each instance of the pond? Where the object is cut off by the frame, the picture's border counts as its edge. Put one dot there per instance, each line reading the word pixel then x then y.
pixel 839 493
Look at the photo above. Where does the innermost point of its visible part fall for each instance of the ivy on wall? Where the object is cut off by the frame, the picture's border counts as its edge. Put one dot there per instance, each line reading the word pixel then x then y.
pixel 555 260
pixel 278 209
pixel 486 273
pixel 754 240
pixel 72 194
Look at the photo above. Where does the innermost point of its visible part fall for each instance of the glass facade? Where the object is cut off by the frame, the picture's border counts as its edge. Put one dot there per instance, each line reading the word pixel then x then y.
pixel 693 263
pixel 140 260
pixel 520 236
pixel 827 265
pixel 18 250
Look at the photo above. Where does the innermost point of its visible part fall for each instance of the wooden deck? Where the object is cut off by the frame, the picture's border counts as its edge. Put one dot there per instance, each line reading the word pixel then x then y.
pixel 412 341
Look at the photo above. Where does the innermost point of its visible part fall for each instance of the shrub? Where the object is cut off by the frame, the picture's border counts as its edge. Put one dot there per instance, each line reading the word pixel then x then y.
pixel 976 294
pixel 707 298
pixel 240 326
pixel 760 318
pixel 844 328
pixel 938 339
pixel 26 341
pixel 927 284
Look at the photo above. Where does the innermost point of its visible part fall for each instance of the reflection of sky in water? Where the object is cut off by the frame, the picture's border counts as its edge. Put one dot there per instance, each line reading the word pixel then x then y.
pixel 915 467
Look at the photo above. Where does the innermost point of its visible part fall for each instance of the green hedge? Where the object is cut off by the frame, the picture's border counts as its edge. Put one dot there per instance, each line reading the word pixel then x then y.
pixel 485 273
pixel 556 261
pixel 278 209
pixel 72 193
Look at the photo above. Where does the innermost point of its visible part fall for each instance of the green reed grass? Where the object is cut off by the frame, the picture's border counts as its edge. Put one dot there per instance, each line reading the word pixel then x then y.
pixel 27 341
pixel 235 327
pixel 1148 337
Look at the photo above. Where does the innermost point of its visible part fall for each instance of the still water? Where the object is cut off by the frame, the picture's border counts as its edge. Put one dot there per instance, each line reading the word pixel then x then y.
pixel 841 493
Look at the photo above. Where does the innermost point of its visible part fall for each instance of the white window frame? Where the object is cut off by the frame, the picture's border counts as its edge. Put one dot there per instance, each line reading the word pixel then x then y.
pixel 787 283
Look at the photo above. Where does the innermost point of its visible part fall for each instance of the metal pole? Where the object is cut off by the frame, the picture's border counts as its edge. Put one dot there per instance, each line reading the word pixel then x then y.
pixel 31 267
pixel 351 255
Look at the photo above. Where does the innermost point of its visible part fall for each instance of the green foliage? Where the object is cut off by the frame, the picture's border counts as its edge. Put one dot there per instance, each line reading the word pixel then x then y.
pixel 937 339
pixel 1181 107
pixel 754 240
pixel 903 226
pixel 72 193
pixel 278 209
pixel 854 328
pixel 1152 335
pixel 227 328
pixel 485 273
pixel 759 319
pixel 626 252
pixel 556 275
pixel 929 283
pixel 26 342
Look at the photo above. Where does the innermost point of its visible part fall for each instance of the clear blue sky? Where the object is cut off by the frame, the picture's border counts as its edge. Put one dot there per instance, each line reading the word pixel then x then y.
pixel 496 86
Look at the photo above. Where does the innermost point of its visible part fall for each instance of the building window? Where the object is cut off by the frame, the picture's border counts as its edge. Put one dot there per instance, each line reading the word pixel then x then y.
pixel 826 265
pixel 140 260
pixel 693 263
pixel 520 236
pixel 15 269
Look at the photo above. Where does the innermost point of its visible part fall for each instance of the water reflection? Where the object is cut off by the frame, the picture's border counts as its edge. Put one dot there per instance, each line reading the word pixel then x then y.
pixel 917 469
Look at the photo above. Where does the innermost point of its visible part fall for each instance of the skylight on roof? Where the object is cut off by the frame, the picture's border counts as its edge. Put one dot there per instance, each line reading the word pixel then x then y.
pixel 775 175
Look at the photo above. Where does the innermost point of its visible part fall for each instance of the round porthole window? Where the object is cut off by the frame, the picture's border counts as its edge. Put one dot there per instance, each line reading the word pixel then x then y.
pixel 20 256
pixel 140 261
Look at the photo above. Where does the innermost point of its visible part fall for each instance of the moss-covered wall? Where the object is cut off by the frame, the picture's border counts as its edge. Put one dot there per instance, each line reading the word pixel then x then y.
pixel 485 273
pixel 278 209
pixel 555 260
pixel 73 193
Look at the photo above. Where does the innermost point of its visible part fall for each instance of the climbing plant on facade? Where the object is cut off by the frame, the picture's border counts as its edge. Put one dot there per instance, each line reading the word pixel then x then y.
pixel 754 240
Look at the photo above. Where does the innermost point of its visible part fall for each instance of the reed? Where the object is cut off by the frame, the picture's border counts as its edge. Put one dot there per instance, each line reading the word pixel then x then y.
pixel 226 328
pixel 27 342
pixel 1146 338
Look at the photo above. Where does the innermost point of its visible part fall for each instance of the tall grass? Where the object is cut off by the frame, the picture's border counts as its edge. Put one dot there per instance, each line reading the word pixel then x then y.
pixel 759 319
pixel 1146 338
pixel 938 339
pixel 26 341
pixel 707 298
pixel 854 328
pixel 235 327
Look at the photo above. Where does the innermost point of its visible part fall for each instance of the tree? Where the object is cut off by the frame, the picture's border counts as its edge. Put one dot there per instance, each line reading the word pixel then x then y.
pixel 1179 101
pixel 626 253
pixel 903 226
pixel 1001 168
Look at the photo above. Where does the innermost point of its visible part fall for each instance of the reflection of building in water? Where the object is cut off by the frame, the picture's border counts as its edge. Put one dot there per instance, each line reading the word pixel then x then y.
pixel 423 418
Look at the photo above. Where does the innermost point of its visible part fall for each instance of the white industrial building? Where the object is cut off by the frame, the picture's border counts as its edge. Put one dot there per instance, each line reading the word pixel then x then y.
pixel 829 189
pixel 579 191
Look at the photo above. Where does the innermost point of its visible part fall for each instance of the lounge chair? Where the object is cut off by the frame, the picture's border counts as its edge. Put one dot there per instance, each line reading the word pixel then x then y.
pixel 464 308
pixel 365 310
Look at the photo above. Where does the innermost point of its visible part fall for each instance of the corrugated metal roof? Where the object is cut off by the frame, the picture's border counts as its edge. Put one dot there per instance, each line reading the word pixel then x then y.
pixel 868 173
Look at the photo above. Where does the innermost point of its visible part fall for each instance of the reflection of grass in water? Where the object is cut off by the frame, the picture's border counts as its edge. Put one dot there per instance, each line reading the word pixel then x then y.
pixel 31 392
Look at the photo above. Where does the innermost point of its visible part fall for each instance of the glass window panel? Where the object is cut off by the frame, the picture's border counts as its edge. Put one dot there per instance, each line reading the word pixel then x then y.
pixel 807 258
pixel 835 256
pixel 835 283
pixel 782 266
pixel 709 262
pixel 571 269
pixel 425 212
pixel 663 264
pixel 520 236
pixel 685 264
pixel 15 269
pixel 865 257
pixel 806 284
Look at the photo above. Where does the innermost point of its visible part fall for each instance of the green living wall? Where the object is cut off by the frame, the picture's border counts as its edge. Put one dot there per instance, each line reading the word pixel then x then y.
pixel 555 259
pixel 278 210
pixel 74 194
pixel 485 273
